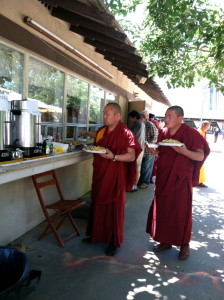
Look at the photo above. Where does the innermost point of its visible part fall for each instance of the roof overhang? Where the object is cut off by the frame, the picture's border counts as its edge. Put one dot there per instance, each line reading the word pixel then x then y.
pixel 98 27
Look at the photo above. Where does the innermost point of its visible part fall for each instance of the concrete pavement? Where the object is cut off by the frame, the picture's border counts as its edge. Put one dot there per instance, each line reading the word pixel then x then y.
pixel 82 272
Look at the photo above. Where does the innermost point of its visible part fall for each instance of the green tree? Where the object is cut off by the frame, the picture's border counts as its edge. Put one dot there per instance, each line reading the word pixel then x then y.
pixel 181 41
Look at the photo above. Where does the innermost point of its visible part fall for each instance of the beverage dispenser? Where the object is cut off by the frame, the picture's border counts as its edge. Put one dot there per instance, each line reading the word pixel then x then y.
pixel 25 119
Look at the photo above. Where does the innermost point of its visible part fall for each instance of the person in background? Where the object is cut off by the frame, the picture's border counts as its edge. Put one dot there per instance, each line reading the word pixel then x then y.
pixel 151 134
pixel 161 123
pixel 205 125
pixel 153 174
pixel 145 112
pixel 152 119
pixel 138 129
pixel 112 172
pixel 216 134
pixel 170 214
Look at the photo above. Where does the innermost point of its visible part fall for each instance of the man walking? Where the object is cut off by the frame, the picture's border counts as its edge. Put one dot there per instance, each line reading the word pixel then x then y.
pixel 138 129
pixel 151 134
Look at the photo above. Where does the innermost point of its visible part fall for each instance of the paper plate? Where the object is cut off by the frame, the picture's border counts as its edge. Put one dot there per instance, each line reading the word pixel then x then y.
pixel 152 145
pixel 94 151
pixel 171 144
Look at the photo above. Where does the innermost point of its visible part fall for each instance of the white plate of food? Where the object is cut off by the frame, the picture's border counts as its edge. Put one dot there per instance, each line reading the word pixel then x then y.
pixel 170 142
pixel 95 149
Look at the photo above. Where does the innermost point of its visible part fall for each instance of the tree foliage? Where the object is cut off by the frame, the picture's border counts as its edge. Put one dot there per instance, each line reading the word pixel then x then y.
pixel 123 7
pixel 181 41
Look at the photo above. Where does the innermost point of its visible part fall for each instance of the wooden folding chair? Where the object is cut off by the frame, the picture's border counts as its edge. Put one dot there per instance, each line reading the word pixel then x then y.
pixel 62 207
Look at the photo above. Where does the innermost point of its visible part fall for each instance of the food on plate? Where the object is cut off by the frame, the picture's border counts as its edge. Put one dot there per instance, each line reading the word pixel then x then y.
pixel 95 148
pixel 79 142
pixel 74 143
pixel 86 141
pixel 89 139
pixel 170 141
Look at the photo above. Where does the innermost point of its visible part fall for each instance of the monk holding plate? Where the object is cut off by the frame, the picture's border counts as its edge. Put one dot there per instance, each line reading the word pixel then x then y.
pixel 113 171
pixel 170 215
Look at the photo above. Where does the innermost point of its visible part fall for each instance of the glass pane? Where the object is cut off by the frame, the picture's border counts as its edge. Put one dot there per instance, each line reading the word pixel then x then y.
pixel 11 72
pixel 77 99
pixel 70 132
pixel 110 98
pixel 96 105
pixel 46 84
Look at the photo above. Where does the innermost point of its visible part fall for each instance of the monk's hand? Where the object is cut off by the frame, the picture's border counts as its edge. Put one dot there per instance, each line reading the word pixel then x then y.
pixel 81 133
pixel 108 154
pixel 153 151
pixel 181 150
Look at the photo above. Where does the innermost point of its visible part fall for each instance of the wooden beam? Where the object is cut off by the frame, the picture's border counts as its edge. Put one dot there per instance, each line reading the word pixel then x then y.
pixel 112 49
pixel 122 60
pixel 93 35
pixel 77 20
pixel 82 9
pixel 130 70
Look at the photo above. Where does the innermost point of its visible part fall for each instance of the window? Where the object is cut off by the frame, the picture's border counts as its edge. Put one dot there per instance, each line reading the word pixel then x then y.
pixel 11 72
pixel 96 105
pixel 64 112
pixel 46 84
pixel 77 100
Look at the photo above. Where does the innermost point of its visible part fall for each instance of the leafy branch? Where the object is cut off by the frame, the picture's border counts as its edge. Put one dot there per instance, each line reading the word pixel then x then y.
pixel 180 40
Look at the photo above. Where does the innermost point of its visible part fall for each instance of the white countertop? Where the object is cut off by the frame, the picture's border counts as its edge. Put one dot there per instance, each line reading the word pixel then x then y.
pixel 17 170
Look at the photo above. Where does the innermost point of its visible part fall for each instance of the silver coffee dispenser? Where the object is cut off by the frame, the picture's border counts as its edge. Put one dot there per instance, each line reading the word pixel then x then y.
pixel 4 113
pixel 25 118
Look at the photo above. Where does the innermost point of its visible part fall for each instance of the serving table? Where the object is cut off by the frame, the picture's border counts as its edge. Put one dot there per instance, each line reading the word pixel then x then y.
pixel 14 170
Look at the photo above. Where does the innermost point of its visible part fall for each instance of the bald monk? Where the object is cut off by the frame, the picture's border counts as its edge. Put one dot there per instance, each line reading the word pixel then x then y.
pixel 113 174
pixel 170 215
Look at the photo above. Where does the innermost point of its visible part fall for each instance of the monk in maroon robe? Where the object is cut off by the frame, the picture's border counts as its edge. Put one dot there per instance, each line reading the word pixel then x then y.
pixel 170 215
pixel 113 172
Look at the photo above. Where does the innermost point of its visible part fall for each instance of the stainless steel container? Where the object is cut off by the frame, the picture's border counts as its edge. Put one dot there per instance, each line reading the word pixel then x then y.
pixel 24 123
pixel 7 133
pixel 2 129
pixel 26 127
pixel 38 136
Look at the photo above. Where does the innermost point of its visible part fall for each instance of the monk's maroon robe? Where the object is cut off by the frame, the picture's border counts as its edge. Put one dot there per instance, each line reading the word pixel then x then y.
pixel 110 182
pixel 170 214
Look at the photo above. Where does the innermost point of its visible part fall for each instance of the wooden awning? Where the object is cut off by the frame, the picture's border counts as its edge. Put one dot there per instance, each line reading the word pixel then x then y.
pixel 92 20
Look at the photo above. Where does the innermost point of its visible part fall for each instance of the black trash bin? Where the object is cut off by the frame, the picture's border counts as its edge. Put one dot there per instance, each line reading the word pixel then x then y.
pixel 16 278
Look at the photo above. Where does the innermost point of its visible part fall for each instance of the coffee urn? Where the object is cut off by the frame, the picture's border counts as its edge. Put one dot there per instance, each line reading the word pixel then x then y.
pixel 25 117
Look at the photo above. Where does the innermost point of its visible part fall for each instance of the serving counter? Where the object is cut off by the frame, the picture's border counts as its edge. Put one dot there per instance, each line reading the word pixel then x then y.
pixel 15 170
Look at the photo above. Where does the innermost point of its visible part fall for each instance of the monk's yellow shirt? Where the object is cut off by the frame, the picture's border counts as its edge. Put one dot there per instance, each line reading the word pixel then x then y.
pixel 100 134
